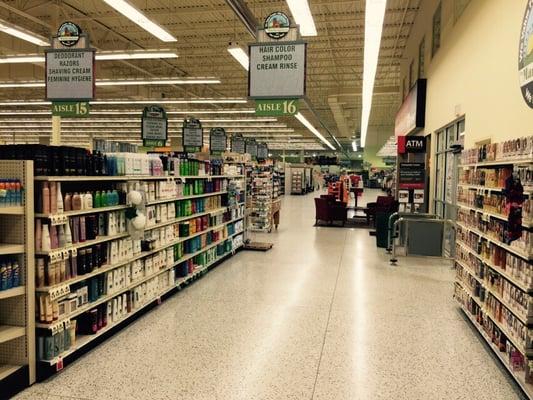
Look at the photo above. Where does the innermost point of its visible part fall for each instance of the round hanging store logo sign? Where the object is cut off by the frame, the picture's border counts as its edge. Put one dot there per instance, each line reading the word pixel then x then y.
pixel 525 58
pixel 277 25
pixel 68 34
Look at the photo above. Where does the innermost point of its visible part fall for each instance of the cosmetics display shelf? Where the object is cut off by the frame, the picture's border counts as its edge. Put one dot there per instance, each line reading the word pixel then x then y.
pixel 518 161
pixel 61 290
pixel 503 273
pixel 6 248
pixel 110 296
pixel 14 292
pixel 12 210
pixel 9 332
pixel 261 199
pixel 527 189
pixel 17 268
pixel 525 224
pixel 84 340
pixel 520 347
pixel 526 387
pixel 69 178
pixel 510 249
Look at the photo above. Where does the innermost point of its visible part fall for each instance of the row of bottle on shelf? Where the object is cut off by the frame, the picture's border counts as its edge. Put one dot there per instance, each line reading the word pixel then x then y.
pixel 53 343
pixel 515 297
pixel 10 274
pixel 496 230
pixel 79 262
pixel 512 149
pixel 75 161
pixel 11 192
pixel 484 320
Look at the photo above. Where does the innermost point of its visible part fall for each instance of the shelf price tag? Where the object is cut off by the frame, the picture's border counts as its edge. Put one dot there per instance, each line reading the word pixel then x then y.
pixel 59 292
pixel 59 364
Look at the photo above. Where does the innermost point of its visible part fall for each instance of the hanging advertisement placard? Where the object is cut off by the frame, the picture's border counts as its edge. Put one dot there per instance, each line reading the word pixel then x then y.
pixel 262 151
pixel 412 176
pixel 525 55
pixel 411 117
pixel 154 126
pixel 193 135
pixel 251 147
pixel 217 140
pixel 277 70
pixel 238 144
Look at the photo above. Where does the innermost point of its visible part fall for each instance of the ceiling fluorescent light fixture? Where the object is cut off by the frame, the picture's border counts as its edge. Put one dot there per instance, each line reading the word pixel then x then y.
pixel 354 146
pixel 22 59
pixel 134 55
pixel 374 15
pixel 136 16
pixel 313 130
pixel 146 101
pixel 302 15
pixel 239 54
pixel 23 34
pixel 158 81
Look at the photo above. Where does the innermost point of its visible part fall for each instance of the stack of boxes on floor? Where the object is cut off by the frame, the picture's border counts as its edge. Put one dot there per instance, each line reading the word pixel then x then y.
pixel 92 271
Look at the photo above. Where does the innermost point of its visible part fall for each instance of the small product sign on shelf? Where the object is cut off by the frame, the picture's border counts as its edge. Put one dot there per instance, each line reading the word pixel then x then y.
pixel 154 126
pixel 276 107
pixel 251 147
pixel 262 151
pixel 193 135
pixel 238 144
pixel 217 141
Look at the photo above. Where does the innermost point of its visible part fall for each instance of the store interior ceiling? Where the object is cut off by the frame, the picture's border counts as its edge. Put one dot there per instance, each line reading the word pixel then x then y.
pixel 204 80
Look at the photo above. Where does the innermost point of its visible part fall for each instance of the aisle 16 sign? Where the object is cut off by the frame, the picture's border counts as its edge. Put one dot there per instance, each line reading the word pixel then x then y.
pixel 276 107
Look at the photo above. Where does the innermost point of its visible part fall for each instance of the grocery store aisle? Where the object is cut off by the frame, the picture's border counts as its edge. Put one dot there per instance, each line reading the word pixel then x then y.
pixel 320 316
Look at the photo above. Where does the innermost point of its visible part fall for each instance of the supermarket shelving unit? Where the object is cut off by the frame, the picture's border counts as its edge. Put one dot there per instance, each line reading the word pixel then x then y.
pixel 261 199
pixel 232 232
pixel 297 181
pixel 17 312
pixel 494 284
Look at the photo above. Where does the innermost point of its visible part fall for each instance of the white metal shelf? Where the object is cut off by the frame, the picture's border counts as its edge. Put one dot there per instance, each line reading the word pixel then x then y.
pixel 82 212
pixel 6 370
pixel 194 196
pixel 68 178
pixel 16 291
pixel 12 210
pixel 519 161
pixel 79 245
pixel 8 332
pixel 103 299
pixel 6 248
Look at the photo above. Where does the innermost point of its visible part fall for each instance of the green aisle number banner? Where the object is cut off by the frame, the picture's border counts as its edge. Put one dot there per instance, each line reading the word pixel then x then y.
pixel 72 109
pixel 276 107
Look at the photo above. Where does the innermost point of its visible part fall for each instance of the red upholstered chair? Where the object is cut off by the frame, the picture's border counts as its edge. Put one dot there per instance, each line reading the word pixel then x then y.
pixel 329 211
pixel 382 204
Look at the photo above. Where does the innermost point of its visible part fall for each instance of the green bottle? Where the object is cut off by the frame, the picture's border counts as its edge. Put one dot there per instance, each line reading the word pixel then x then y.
pixel 97 200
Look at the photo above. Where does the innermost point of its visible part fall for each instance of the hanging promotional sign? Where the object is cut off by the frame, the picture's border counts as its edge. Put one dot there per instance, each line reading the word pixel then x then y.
pixel 525 55
pixel 154 126
pixel 411 117
pixel 217 140
pixel 277 70
pixel 412 176
pixel 238 144
pixel 193 135
pixel 262 151
pixel 251 147
pixel 277 25
pixel 70 72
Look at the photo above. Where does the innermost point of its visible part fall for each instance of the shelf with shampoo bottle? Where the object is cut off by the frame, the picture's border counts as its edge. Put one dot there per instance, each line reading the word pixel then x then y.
pixel 83 340
pixel 63 288
pixel 194 196
pixel 68 178
pixel 90 305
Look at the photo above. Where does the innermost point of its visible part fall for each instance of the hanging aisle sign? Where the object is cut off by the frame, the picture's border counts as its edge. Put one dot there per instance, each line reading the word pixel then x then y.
pixel 262 151
pixel 276 107
pixel 69 70
pixel 193 135
pixel 251 147
pixel 154 126
pixel 525 56
pixel 238 145
pixel 217 141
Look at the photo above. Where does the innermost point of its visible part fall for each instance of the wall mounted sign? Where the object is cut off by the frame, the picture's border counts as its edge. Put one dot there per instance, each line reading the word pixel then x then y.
pixel 262 151
pixel 68 34
pixel 71 109
pixel 217 140
pixel 411 116
pixel 525 57
pixel 277 70
pixel 251 147
pixel 277 25
pixel 412 176
pixel 276 107
pixel 411 144
pixel 154 126
pixel 238 144
pixel 193 135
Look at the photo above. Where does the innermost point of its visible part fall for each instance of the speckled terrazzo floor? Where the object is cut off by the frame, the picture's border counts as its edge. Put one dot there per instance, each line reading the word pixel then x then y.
pixel 320 316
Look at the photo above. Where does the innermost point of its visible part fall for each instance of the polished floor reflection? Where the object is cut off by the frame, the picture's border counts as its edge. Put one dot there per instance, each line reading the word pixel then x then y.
pixel 320 316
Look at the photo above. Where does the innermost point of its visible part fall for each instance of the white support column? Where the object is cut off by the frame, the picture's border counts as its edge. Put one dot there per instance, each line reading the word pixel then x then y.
pixel 56 131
